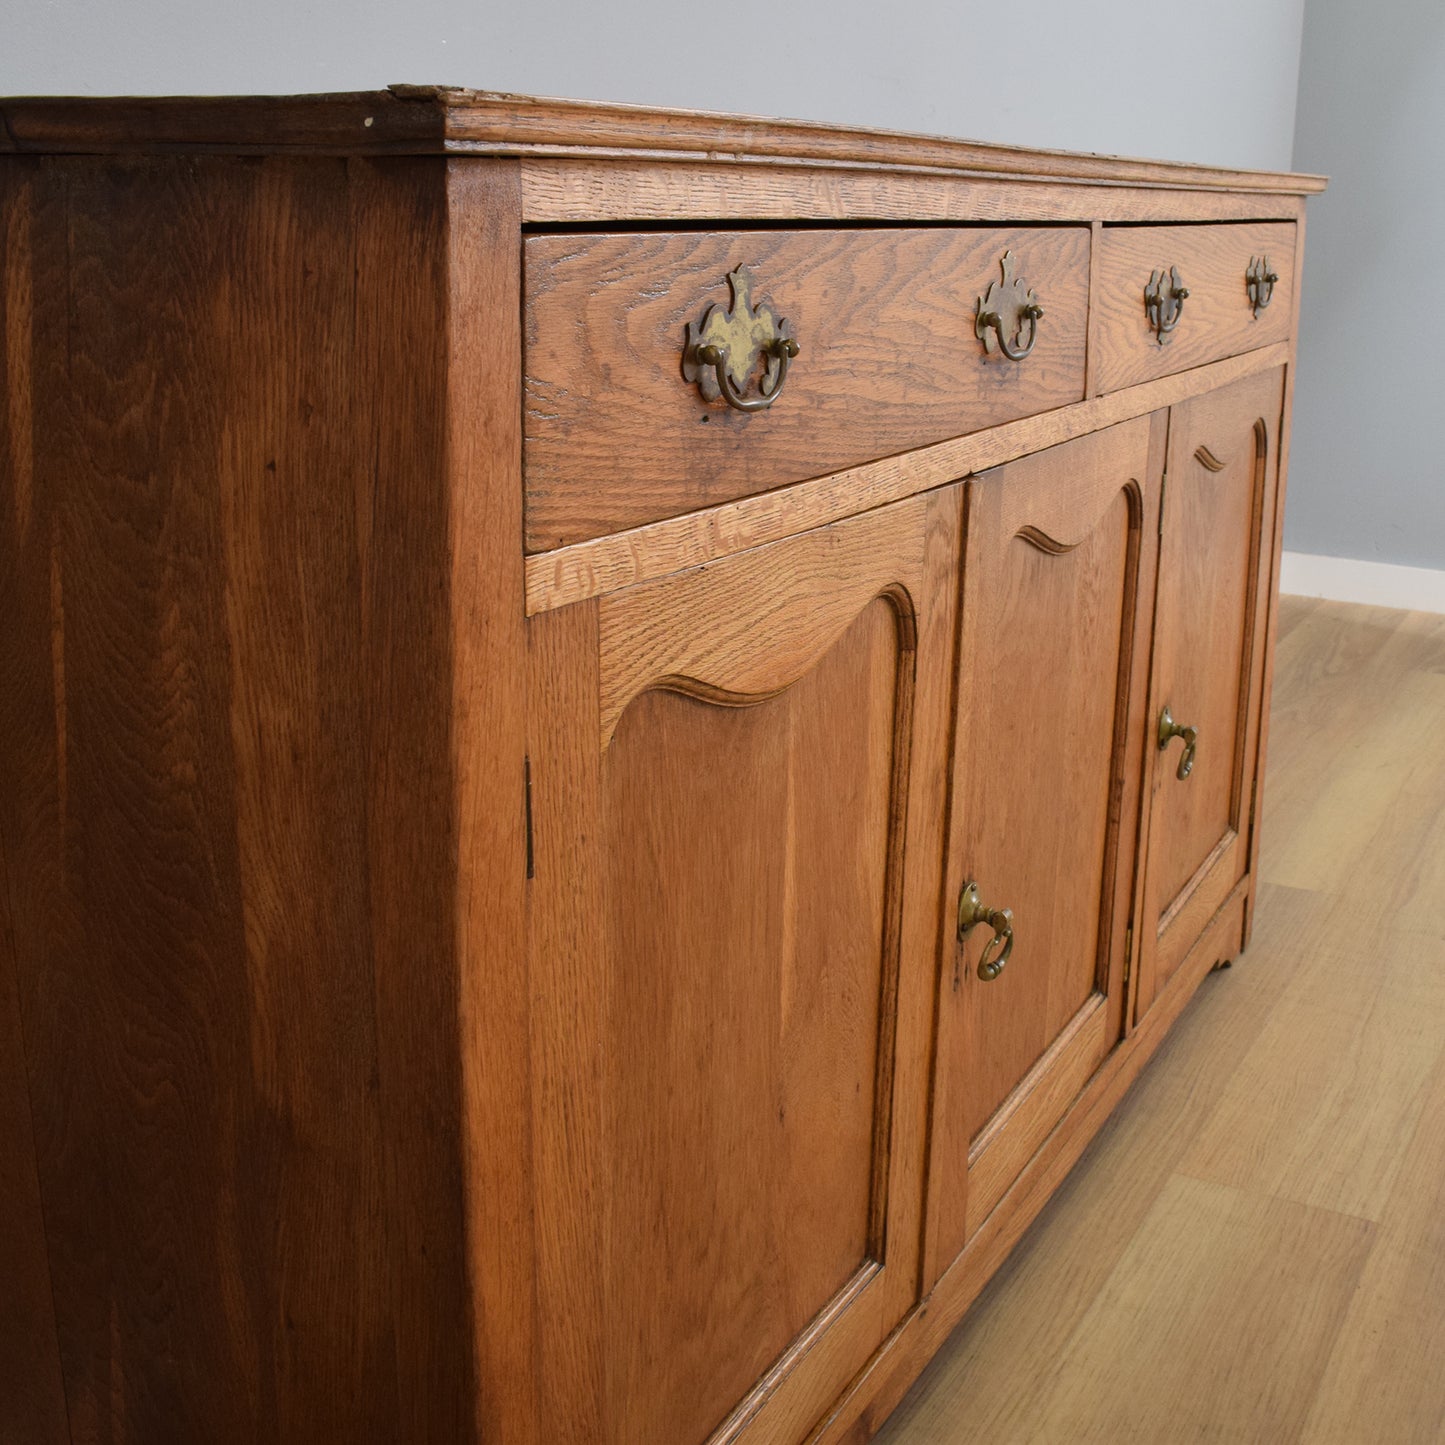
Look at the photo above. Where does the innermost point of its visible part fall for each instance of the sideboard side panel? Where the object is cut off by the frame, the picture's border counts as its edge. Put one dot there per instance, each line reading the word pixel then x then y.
pixel 32 1394
pixel 227 834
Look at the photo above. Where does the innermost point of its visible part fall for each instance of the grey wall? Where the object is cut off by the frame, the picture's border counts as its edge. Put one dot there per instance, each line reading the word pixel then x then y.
pixel 1367 470
pixel 1176 79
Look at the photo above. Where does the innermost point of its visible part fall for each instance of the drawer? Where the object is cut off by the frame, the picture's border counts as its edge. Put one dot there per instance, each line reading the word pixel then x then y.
pixel 888 359
pixel 1216 319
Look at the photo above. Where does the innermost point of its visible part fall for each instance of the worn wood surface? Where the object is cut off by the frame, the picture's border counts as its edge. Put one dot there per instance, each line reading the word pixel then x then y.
pixel 1216 551
pixel 557 189
pixel 397 990
pixel 731 1020
pixel 1058 576
pixel 889 361
pixel 1303 1225
pixel 487 759
pixel 32 1394
pixel 623 559
pixel 432 117
pixel 1217 319
pixel 1272 598
pixel 225 780
pixel 860 1415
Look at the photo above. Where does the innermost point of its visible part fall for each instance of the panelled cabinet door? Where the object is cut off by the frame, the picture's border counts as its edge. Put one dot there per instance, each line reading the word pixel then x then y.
pixel 1058 581
pixel 738 777
pixel 1208 660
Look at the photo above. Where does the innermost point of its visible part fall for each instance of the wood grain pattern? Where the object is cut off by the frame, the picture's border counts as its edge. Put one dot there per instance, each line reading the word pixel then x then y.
pixel 1348 753
pixel 1281 1274
pixel 1217 319
pixel 477 119
pixel 488 762
pixel 1052 648
pixel 1382 1379
pixel 558 189
pixel 426 117
pixel 454 994
pixel 1271 620
pixel 1373 1119
pixel 568 1004
pixel 1336 1132
pixel 233 956
pixel 744 1107
pixel 860 1415
pixel 32 1392
pixel 889 361
pixel 787 1119
pixel 1211 615
pixel 624 559
pixel 768 626
pixel 1033 1306
pixel 1014 1132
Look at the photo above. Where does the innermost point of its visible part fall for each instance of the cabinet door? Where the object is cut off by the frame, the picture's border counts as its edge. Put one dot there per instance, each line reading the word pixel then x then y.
pixel 1058 582
pixel 1208 660
pixel 738 778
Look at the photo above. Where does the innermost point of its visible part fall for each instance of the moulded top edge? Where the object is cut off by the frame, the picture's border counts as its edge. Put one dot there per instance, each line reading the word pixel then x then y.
pixel 421 120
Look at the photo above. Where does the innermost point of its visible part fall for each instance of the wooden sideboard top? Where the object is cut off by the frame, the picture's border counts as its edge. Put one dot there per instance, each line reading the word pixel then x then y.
pixel 425 119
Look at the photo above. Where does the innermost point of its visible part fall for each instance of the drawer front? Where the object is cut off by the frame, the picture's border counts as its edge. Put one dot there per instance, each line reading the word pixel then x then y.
pixel 1218 317
pixel 888 359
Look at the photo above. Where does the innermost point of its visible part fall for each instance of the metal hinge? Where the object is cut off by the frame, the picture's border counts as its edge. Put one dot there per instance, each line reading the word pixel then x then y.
pixel 527 812
pixel 1253 799
pixel 1128 956
pixel 1163 488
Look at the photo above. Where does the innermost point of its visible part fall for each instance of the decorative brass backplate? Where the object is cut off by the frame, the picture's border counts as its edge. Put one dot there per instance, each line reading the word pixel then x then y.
pixel 1164 301
pixel 1259 281
pixel 722 351
pixel 1005 311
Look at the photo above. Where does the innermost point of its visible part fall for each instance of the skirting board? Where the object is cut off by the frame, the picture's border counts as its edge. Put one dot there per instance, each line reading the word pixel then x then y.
pixel 1381 584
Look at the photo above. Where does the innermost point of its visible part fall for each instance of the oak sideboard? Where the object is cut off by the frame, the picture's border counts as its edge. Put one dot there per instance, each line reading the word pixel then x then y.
pixel 620 731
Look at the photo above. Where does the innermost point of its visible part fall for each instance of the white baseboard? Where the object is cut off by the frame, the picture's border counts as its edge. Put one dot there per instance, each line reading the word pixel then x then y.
pixel 1381 584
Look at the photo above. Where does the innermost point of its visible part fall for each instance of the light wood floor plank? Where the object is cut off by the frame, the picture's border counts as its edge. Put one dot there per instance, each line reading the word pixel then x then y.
pixel 1323 1107
pixel 1357 797
pixel 1222 1313
pixel 1339 676
pixel 1254 1246
pixel 1385 1380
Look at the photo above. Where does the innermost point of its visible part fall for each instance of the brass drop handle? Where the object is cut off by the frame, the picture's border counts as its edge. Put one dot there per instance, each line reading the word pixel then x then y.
pixel 722 351
pixel 782 350
pixel 1259 282
pixel 1011 299
pixel 992 320
pixel 1164 299
pixel 1168 731
pixel 971 912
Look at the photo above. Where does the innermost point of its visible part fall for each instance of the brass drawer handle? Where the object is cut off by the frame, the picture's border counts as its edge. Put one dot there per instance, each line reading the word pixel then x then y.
pixel 1164 299
pixel 1014 300
pixel 723 349
pixel 1259 281
pixel 971 912
pixel 1168 731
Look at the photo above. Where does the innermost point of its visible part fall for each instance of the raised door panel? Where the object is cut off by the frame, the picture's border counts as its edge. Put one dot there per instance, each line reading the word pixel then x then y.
pixel 737 785
pixel 1057 578
pixel 1208 660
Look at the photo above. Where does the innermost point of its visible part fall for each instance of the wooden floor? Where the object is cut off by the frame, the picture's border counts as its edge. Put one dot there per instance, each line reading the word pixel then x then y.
pixel 1254 1247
